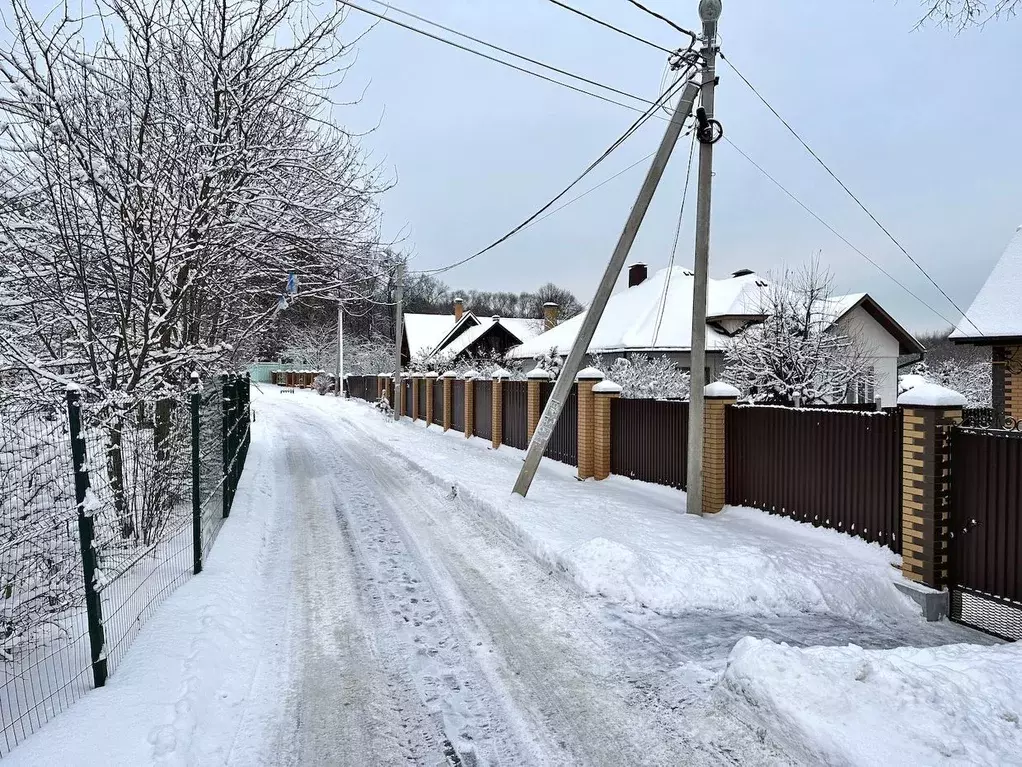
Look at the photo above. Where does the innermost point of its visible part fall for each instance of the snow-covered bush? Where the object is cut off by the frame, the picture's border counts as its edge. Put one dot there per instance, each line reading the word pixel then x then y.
pixel 645 377
pixel 323 383
pixel 549 361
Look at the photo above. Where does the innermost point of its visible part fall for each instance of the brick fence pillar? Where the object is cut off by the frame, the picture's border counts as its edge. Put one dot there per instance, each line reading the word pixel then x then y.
pixel 470 402
pixel 929 412
pixel 586 380
pixel 497 407
pixel 448 383
pixel 430 383
pixel 1007 376
pixel 604 393
pixel 536 379
pixel 718 397
pixel 414 383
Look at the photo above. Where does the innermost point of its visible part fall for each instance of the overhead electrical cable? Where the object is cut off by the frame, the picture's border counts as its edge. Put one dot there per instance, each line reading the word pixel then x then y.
pixel 849 192
pixel 486 56
pixel 834 231
pixel 665 96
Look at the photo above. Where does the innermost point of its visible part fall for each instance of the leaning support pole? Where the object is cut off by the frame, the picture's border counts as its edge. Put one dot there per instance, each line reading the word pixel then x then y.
pixel 592 317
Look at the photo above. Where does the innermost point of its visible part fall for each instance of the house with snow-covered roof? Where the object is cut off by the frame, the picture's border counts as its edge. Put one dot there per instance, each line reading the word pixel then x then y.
pixel 462 334
pixel 994 319
pixel 653 316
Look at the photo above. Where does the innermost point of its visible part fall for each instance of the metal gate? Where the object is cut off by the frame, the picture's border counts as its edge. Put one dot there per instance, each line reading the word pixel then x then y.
pixel 985 546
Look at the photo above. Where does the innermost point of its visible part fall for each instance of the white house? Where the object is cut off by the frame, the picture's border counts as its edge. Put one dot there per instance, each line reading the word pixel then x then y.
pixel 654 316
pixel 462 333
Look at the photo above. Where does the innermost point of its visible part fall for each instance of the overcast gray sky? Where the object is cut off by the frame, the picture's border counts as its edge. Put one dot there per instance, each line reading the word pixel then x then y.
pixel 923 125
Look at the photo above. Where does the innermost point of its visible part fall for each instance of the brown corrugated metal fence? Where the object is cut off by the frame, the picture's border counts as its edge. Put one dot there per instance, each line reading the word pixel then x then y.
pixel 984 565
pixel 458 405
pixel 482 418
pixel 516 414
pixel 563 445
pixel 649 440
pixel 838 470
pixel 438 401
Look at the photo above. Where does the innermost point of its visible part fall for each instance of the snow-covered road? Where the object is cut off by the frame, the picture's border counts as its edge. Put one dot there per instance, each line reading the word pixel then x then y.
pixel 356 610
pixel 426 633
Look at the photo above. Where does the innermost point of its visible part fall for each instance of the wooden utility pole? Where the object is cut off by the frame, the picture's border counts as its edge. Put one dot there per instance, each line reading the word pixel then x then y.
pixel 707 134
pixel 399 295
pixel 580 348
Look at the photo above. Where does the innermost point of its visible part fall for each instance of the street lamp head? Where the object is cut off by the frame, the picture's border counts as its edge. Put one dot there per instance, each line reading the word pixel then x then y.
pixel 709 10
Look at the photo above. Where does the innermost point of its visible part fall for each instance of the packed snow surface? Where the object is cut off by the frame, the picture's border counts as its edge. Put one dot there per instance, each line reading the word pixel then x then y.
pixel 952 705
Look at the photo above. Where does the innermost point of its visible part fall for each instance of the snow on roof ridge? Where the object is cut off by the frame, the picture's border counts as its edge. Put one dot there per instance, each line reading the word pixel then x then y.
pixel 995 311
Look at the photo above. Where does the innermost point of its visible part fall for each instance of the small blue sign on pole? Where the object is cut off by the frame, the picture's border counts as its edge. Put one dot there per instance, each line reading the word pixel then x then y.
pixel 292 284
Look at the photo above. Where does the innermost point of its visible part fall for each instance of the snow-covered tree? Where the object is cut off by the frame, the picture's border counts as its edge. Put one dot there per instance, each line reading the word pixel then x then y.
pixel 797 351
pixel 163 180
pixel 368 356
pixel 165 165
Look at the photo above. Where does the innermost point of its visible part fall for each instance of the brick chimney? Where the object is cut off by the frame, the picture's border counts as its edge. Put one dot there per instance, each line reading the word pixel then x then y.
pixel 551 312
pixel 459 308
pixel 636 275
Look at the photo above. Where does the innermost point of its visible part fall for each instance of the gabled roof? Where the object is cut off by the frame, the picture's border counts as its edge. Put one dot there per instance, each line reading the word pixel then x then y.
pixel 842 305
pixel 519 327
pixel 996 312
pixel 425 331
pixel 633 321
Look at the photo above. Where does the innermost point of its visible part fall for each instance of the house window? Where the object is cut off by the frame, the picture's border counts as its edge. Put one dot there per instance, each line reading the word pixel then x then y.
pixel 863 391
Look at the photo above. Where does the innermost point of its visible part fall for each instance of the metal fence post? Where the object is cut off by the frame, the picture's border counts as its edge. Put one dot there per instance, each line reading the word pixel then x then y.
pixel 225 406
pixel 247 393
pixel 93 605
pixel 196 500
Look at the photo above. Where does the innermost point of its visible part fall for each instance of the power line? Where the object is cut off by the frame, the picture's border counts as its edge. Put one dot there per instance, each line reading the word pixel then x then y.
pixel 833 231
pixel 602 23
pixel 516 55
pixel 666 95
pixel 674 247
pixel 849 192
pixel 494 59
pixel 664 19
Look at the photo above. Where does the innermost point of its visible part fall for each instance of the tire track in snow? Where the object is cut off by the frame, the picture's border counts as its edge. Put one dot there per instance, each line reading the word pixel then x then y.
pixel 591 692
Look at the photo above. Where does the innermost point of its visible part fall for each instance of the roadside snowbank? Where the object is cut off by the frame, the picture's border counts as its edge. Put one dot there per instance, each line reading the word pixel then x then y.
pixel 956 704
pixel 632 542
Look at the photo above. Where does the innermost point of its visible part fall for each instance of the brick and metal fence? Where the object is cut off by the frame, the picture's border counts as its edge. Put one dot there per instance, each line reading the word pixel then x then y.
pixel 833 469
pixel 945 497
